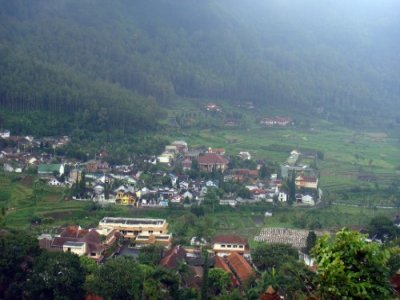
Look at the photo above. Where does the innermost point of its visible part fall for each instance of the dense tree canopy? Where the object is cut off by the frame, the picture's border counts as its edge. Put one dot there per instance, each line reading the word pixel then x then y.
pixel 351 268
pixel 383 228
pixel 268 256
pixel 17 252
pixel 106 65
pixel 56 275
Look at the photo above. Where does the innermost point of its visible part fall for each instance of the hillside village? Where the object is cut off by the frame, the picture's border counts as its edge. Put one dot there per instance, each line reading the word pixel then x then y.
pixel 180 175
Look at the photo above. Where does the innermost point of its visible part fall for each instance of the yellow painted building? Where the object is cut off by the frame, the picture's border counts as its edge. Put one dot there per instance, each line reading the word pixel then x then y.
pixel 132 227
pixel 125 198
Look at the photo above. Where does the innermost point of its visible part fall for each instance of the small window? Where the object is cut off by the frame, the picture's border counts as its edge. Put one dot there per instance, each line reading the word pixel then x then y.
pixel 235 246
pixel 222 246
pixel 150 231
pixel 240 246
pixel 160 231
pixel 229 246
pixel 92 254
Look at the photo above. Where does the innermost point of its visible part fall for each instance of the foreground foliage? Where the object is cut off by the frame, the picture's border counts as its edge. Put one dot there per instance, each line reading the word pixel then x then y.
pixel 351 268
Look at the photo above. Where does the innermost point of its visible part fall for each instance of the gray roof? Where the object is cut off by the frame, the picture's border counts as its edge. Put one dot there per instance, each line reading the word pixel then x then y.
pixel 74 244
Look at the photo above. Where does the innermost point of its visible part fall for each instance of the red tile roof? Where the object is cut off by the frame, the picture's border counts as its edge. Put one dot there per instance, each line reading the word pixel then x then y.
pixel 92 237
pixel 240 267
pixel 229 239
pixel 212 158
pixel 217 150
pixel 172 257
pixel 73 232
pixel 306 178
pixel 270 294
pixel 246 172
pixel 221 264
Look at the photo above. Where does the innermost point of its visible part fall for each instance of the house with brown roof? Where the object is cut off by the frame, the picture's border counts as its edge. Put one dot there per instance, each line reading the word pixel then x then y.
pixel 243 174
pixel 306 182
pixel 80 241
pixel 172 257
pixel 212 161
pixel 224 245
pixel 237 267
pixel 220 151
pixel 240 267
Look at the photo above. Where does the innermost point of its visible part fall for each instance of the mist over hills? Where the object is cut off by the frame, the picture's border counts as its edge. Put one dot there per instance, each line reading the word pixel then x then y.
pixel 105 65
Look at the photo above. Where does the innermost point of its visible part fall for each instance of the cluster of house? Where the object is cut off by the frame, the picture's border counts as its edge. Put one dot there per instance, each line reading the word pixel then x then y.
pixel 18 153
pixel 183 189
pixel 24 152
pixel 100 177
pixel 229 253
pixel 132 191
pixel 276 121
pixel 172 151
pixel 94 242
pixel 306 181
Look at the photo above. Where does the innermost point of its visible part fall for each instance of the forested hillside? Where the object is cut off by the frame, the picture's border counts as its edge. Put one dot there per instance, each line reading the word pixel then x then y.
pixel 117 64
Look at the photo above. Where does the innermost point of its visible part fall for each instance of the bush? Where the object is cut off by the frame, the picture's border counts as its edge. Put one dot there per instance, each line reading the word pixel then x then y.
pixel 4 196
pixel 48 220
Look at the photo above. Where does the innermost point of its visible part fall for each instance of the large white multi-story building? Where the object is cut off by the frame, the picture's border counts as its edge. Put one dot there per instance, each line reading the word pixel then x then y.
pixel 143 231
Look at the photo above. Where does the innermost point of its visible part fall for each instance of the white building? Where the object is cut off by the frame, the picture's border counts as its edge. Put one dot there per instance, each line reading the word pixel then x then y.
pixel 5 134
pixel 231 202
pixel 307 199
pixel 244 155
pixel 282 197
pixel 226 244
pixel 8 168
pixel 54 182
pixel 165 158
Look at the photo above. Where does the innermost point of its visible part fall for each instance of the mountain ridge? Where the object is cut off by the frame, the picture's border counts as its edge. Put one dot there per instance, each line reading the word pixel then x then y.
pixel 275 53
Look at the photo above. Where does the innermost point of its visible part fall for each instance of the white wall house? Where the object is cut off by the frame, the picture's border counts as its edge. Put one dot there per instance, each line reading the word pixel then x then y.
pixel 78 248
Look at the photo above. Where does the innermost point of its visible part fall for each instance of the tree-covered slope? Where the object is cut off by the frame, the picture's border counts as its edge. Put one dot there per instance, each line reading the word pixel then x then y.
pixel 334 58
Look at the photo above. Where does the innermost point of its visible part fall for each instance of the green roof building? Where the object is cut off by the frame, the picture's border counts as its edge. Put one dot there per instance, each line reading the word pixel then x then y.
pixel 49 169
